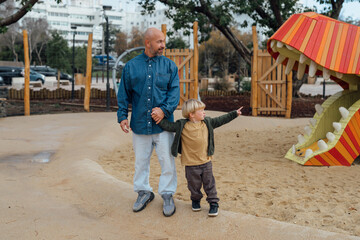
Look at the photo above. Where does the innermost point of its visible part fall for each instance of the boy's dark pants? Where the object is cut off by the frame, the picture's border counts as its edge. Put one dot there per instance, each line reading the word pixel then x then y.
pixel 201 175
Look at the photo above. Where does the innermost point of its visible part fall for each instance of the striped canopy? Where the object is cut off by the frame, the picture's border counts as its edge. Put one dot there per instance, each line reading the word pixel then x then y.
pixel 331 44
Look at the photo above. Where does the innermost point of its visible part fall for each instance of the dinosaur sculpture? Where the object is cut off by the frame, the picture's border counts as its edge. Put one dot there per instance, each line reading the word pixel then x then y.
pixel 318 45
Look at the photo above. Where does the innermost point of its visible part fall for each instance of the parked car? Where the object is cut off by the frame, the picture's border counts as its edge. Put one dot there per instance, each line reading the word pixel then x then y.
pixel 65 76
pixel 45 70
pixel 7 73
pixel 51 72
pixel 34 76
pixel 2 81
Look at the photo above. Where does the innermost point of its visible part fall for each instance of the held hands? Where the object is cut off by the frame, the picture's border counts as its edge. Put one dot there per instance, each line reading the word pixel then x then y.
pixel 157 114
pixel 239 111
pixel 124 124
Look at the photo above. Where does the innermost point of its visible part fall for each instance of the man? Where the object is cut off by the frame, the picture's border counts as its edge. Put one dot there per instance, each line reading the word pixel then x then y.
pixel 150 82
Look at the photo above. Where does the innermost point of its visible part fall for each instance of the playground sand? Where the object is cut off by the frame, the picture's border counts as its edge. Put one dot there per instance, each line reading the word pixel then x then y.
pixel 52 186
pixel 253 177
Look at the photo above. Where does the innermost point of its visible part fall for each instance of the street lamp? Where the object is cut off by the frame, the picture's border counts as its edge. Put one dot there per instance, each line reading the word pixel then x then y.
pixel 73 62
pixel 105 8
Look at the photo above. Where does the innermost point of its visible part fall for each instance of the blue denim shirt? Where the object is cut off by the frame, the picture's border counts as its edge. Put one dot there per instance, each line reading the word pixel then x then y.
pixel 147 83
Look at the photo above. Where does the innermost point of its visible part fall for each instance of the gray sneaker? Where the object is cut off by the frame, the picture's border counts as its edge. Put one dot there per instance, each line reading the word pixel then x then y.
pixel 169 205
pixel 142 200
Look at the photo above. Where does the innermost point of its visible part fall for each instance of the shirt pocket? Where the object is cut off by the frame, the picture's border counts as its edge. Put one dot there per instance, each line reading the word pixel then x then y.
pixel 162 80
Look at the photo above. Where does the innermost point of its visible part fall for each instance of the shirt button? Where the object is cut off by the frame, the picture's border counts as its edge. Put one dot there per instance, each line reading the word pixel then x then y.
pixel 150 65
pixel 149 76
pixel 149 87
pixel 149 123
pixel 149 99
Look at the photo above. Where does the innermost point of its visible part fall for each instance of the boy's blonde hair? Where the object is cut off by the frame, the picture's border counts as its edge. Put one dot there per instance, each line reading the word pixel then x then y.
pixel 190 106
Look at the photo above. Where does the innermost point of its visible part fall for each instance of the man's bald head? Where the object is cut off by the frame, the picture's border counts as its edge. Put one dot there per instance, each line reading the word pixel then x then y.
pixel 154 42
pixel 150 33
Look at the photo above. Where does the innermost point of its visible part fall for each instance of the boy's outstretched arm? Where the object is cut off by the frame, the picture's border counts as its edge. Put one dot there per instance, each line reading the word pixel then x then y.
pixel 221 120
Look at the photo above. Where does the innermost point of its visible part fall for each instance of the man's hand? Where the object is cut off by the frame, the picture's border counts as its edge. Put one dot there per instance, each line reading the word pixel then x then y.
pixel 239 111
pixel 157 114
pixel 124 124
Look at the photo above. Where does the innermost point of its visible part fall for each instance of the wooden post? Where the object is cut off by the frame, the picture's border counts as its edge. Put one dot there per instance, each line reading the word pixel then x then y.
pixel 196 60
pixel 88 74
pixel 58 79
pixel 163 29
pixel 254 64
pixel 288 95
pixel 27 75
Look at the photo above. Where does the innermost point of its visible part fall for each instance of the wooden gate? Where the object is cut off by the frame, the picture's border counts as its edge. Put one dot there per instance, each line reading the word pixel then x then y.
pixel 271 89
pixel 187 62
pixel 184 60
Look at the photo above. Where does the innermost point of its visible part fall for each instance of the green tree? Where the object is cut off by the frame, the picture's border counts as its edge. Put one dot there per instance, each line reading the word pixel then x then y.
pixel 58 52
pixel 269 14
pixel 121 43
pixel 80 59
pixel 217 54
pixel 176 43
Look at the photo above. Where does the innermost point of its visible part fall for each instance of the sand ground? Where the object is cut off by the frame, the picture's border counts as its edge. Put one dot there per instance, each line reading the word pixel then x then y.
pixel 68 176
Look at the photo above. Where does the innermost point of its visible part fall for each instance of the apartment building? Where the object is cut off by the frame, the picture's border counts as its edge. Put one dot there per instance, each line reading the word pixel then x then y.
pixel 80 18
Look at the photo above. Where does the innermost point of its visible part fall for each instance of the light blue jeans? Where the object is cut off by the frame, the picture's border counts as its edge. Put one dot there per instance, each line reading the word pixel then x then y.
pixel 143 148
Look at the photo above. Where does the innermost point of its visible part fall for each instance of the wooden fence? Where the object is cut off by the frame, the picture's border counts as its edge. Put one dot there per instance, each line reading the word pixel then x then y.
pixel 60 93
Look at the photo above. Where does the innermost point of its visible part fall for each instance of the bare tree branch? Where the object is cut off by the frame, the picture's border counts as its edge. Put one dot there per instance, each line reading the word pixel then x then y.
pixel 19 14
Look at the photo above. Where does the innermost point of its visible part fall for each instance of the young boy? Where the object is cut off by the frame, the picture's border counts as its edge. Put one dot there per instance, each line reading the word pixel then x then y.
pixel 194 140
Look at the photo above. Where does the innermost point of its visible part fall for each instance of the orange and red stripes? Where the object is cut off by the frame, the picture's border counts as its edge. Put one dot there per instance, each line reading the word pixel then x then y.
pixel 328 42
pixel 346 149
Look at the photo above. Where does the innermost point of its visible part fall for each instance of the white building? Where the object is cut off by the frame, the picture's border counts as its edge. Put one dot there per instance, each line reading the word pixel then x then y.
pixel 86 15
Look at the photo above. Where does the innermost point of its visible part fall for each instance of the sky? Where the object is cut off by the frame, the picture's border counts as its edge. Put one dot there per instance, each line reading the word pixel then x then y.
pixel 350 9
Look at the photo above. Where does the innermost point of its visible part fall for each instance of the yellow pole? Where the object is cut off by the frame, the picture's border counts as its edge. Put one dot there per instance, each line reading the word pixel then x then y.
pixel 254 73
pixel 88 74
pixel 196 60
pixel 289 95
pixel 27 75
pixel 163 29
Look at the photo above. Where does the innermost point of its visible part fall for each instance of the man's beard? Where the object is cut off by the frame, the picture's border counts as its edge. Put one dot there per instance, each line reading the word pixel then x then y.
pixel 159 52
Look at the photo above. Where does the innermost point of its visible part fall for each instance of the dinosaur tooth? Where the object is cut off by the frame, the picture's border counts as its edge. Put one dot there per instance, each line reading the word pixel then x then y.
pixel 339 75
pixel 319 109
pixel 312 122
pixel 302 58
pixel 344 112
pixel 273 46
pixel 307 130
pixel 289 66
pixel 337 126
pixel 301 139
pixel 272 43
pixel 280 59
pixel 308 152
pixel 301 70
pixel 289 47
pixel 326 74
pixel 322 145
pixel 312 68
pixel 279 44
pixel 330 136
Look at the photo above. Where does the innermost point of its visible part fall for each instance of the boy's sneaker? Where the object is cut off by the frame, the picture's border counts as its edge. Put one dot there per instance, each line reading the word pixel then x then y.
pixel 196 206
pixel 143 199
pixel 214 209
